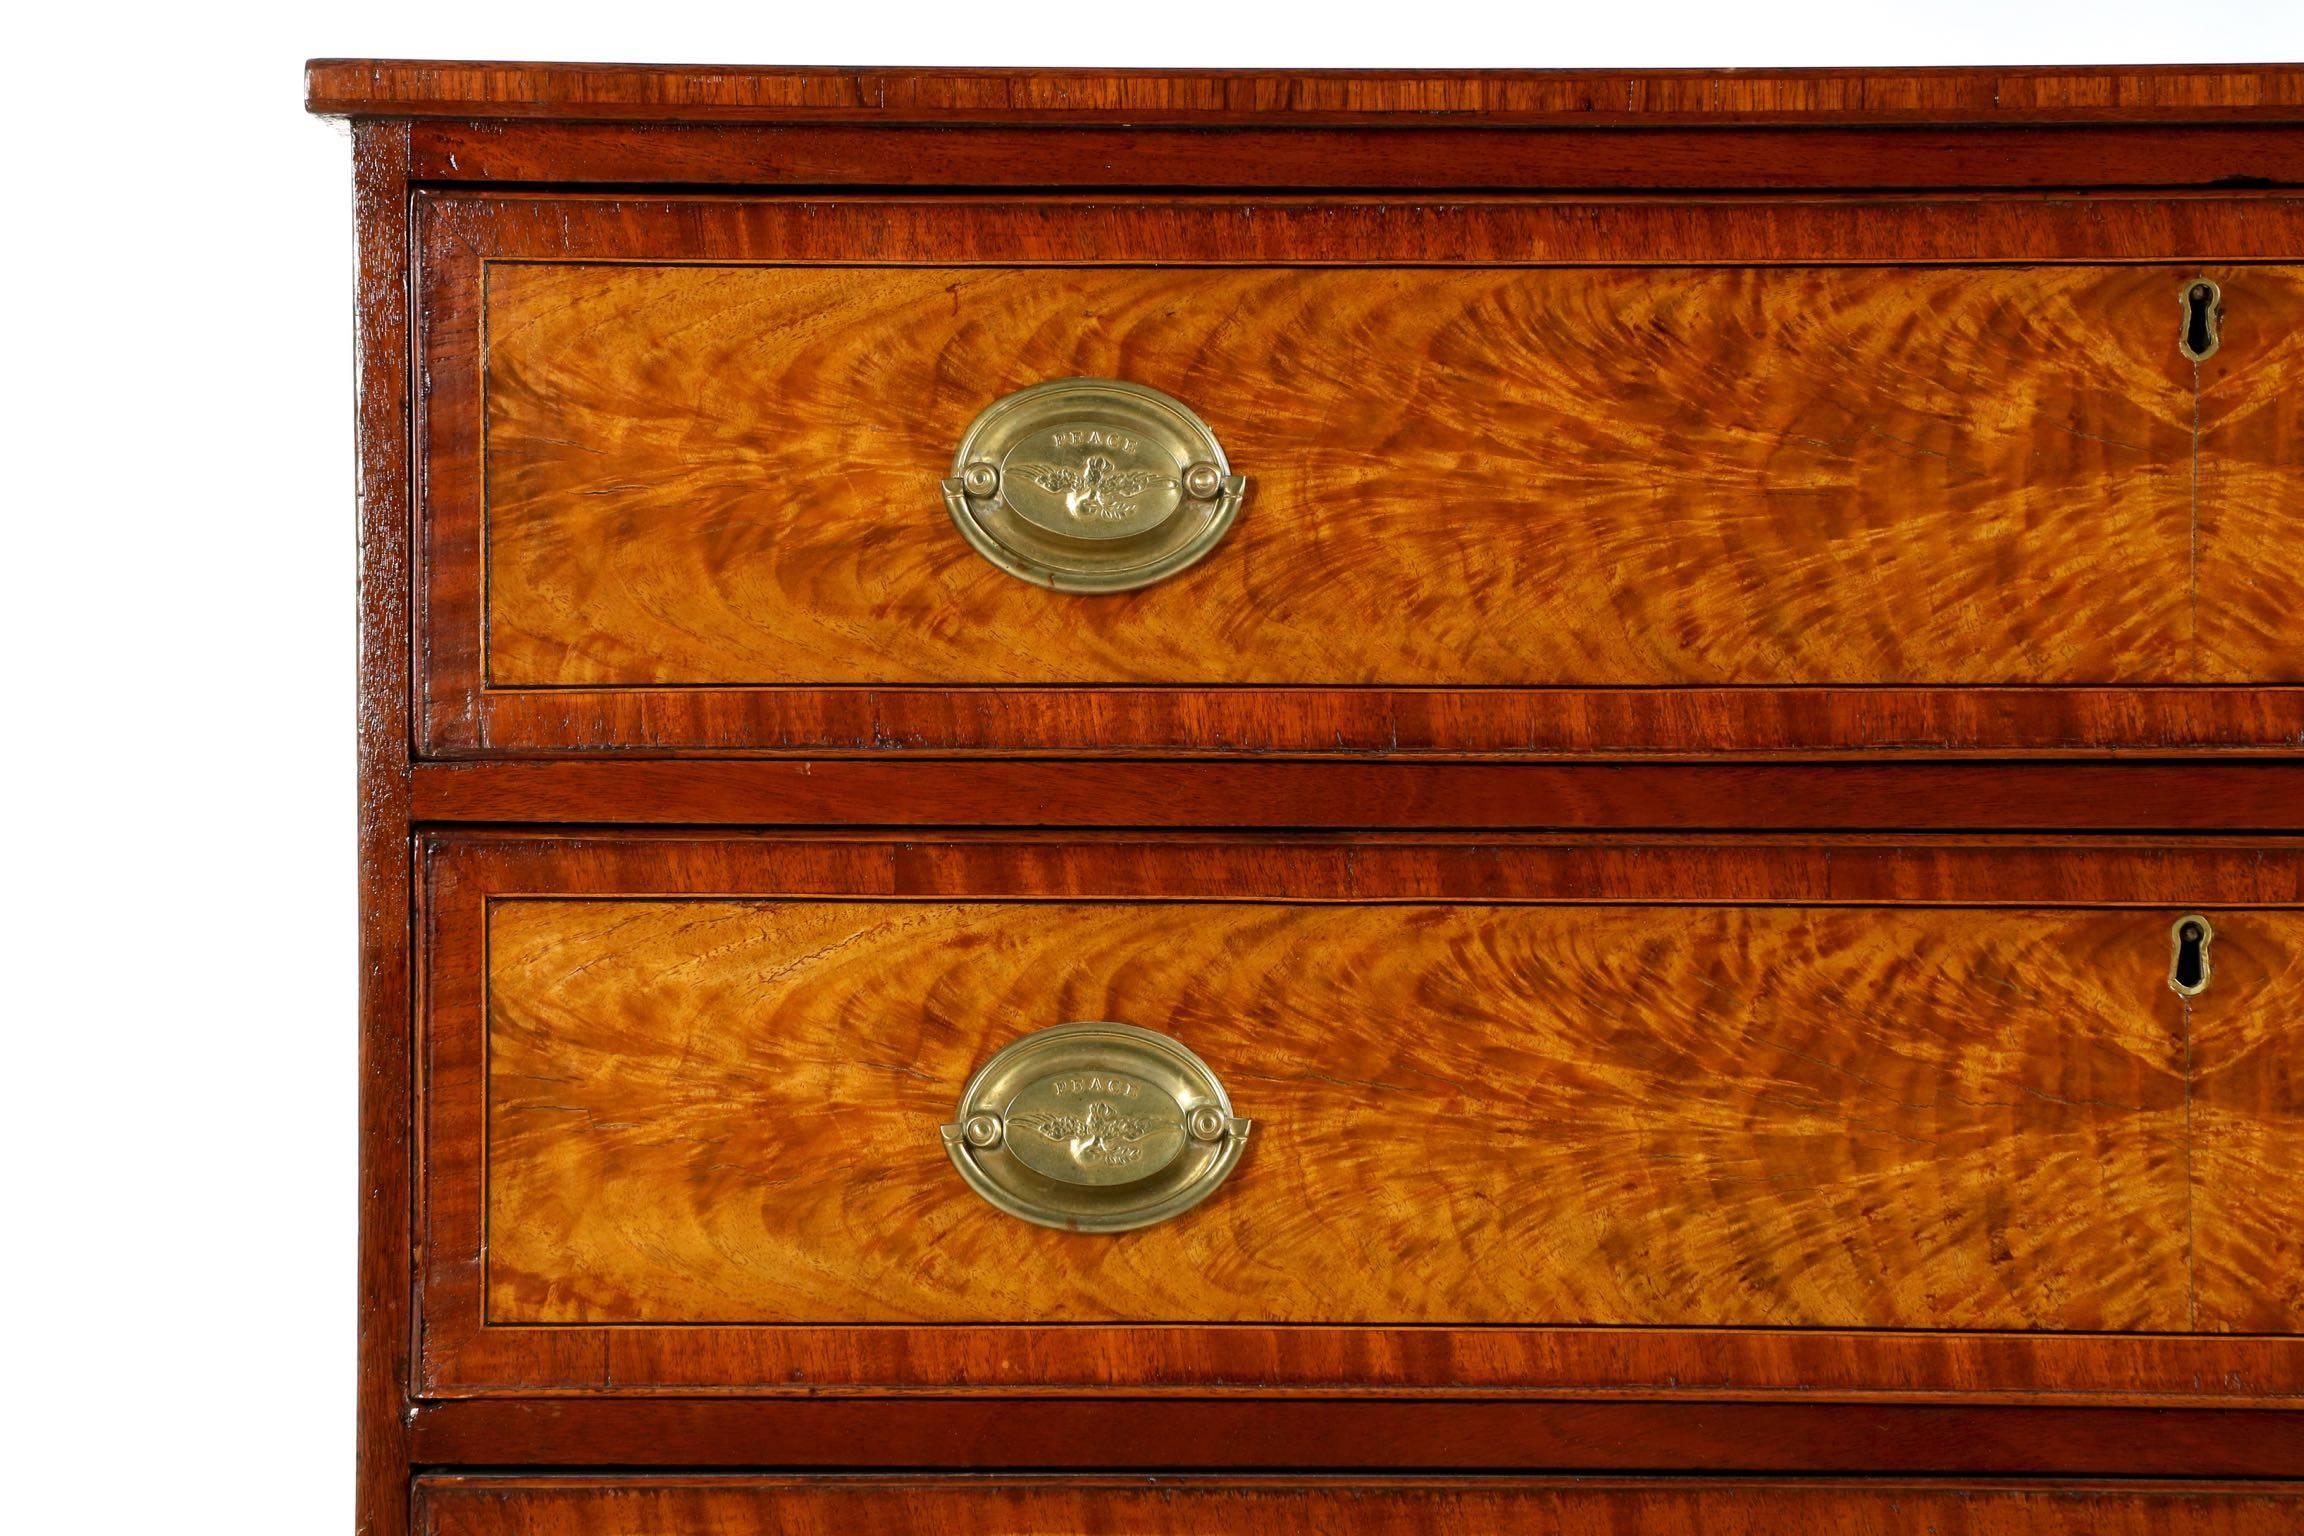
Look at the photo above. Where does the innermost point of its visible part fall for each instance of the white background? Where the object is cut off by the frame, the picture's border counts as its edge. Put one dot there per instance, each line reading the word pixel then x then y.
pixel 177 1067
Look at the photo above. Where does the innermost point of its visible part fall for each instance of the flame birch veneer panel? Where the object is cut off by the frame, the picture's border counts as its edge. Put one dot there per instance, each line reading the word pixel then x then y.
pixel 727 475
pixel 726 1111
pixel 2247 1109
pixel 2248 589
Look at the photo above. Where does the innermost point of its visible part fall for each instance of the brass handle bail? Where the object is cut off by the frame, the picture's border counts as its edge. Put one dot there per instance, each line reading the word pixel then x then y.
pixel 1095 1127
pixel 1091 485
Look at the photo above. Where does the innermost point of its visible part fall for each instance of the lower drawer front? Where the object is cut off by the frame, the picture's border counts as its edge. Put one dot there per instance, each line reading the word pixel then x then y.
pixel 1555 1114
pixel 1143 1506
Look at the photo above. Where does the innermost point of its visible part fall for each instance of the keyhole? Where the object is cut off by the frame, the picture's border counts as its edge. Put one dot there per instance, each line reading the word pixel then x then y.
pixel 2188 971
pixel 2203 315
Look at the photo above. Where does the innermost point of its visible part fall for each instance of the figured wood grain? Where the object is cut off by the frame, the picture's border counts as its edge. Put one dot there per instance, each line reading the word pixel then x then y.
pixel 1352 796
pixel 387 580
pixel 467 1353
pixel 411 88
pixel 1518 724
pixel 2110 155
pixel 465 236
pixel 1499 477
pixel 900 1506
pixel 725 1112
pixel 2247 1140
pixel 2248 504
pixel 706 1395
pixel 465 865
pixel 1358 1435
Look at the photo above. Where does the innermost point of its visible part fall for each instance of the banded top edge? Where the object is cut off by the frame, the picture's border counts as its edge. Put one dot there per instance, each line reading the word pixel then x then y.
pixel 1727 98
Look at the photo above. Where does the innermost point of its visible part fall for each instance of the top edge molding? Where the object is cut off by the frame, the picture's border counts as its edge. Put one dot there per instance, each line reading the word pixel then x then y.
pixel 1937 97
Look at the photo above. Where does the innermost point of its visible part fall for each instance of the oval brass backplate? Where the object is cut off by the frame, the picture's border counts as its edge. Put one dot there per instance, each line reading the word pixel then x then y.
pixel 1091 485
pixel 1095 1127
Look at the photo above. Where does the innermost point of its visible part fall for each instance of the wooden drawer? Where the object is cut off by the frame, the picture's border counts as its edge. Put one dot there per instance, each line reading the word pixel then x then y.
pixel 757 1506
pixel 1642 1116
pixel 1525 476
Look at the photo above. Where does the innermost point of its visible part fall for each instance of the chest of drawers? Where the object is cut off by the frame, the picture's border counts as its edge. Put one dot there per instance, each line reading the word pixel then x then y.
pixel 1360 802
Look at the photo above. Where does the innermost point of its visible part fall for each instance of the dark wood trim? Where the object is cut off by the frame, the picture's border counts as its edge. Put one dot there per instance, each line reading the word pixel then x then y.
pixel 386 1327
pixel 1938 796
pixel 1366 98
pixel 1300 1504
pixel 1514 723
pixel 1499 159
pixel 462 227
pixel 2011 870
pixel 1312 1434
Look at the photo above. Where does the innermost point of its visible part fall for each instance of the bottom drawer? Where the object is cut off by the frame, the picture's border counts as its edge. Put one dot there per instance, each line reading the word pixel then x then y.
pixel 479 1506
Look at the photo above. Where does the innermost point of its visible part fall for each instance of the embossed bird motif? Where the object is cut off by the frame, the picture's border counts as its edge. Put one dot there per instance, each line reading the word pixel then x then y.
pixel 1098 491
pixel 1101 1138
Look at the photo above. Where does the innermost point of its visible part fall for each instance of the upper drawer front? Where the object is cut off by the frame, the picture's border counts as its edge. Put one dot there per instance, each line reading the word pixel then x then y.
pixel 1520 476
pixel 1532 1114
pixel 913 1506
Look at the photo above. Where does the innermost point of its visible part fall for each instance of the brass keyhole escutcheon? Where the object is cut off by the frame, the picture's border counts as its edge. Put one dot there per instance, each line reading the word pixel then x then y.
pixel 2203 320
pixel 2188 967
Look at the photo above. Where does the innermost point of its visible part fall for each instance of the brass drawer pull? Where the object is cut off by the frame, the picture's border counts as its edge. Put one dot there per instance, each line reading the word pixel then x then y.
pixel 1091 485
pixel 1095 1127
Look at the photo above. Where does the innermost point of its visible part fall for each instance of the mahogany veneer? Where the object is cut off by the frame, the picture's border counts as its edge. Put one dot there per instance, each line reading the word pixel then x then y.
pixel 1754 622
pixel 1403 1507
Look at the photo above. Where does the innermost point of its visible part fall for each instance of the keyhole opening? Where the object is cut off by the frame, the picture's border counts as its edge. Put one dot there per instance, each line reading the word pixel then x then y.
pixel 2203 317
pixel 2188 970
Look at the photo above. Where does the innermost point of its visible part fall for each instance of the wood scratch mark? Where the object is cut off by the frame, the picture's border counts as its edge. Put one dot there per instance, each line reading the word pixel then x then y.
pixel 2192 552
pixel 2109 442
pixel 2191 1260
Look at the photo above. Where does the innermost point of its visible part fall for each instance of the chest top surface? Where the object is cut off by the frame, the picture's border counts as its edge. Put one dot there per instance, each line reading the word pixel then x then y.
pixel 2234 93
